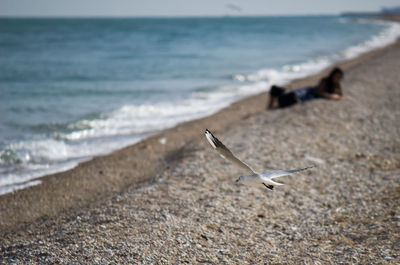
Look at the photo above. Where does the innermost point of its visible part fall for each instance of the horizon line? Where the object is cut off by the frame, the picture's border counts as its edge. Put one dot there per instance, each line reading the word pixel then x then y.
pixel 167 16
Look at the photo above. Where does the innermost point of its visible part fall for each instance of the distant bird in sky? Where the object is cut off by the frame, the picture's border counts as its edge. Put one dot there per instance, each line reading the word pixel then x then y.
pixel 234 7
pixel 251 178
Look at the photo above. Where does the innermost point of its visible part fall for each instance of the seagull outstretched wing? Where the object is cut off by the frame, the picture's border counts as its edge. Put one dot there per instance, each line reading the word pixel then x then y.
pixel 280 173
pixel 227 154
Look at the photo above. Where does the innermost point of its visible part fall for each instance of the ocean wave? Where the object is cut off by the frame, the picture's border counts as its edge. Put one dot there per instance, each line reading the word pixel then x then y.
pixel 18 186
pixel 51 127
pixel 9 157
pixel 262 79
pixel 26 176
pixel 385 37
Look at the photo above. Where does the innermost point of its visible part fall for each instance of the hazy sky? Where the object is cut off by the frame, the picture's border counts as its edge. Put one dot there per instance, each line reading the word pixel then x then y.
pixel 185 7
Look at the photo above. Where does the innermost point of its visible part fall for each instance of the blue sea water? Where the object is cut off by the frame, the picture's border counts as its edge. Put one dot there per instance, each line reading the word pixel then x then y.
pixel 71 89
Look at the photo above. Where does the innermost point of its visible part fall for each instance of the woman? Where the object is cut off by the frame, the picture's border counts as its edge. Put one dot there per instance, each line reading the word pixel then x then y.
pixel 329 87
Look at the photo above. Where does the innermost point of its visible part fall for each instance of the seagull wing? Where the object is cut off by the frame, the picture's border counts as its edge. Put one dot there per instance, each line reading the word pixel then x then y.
pixel 280 173
pixel 227 154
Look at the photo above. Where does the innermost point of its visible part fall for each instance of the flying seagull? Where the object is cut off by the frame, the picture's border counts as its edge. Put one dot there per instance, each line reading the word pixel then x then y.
pixel 234 7
pixel 250 177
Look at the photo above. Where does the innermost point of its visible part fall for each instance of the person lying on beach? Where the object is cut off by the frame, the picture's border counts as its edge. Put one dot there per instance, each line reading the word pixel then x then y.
pixel 329 88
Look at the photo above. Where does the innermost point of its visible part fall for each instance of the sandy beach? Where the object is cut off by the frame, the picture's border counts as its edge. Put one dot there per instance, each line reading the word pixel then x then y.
pixel 174 203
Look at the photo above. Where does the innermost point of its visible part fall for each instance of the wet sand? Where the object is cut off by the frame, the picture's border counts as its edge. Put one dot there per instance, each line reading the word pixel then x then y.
pixel 177 202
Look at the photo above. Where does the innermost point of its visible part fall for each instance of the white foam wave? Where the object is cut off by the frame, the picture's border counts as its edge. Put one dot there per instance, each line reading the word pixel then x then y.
pixel 387 36
pixel 289 72
pixel 143 119
pixel 23 176
pixel 16 186
pixel 263 79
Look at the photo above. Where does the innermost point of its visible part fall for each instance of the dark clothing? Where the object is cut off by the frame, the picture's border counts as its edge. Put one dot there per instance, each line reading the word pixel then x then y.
pixel 305 94
pixel 286 99
pixel 325 86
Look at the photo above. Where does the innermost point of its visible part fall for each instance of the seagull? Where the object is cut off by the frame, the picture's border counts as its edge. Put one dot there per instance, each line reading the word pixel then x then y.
pixel 250 177
pixel 234 7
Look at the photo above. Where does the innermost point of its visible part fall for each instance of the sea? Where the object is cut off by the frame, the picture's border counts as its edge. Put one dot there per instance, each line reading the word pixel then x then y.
pixel 75 88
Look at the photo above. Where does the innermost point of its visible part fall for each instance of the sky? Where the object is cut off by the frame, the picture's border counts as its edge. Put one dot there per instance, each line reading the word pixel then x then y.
pixel 146 8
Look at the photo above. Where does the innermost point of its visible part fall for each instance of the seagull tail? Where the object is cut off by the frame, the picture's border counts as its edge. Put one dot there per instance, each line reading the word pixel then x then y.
pixel 270 181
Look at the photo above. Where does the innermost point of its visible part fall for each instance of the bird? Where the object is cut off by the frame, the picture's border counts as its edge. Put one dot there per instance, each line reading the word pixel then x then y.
pixel 234 7
pixel 250 177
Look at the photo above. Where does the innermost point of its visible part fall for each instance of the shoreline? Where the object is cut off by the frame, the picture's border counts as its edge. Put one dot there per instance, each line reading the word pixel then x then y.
pixel 92 182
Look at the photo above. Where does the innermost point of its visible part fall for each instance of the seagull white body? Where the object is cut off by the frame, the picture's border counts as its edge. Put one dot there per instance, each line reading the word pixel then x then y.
pixel 250 177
